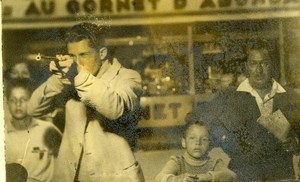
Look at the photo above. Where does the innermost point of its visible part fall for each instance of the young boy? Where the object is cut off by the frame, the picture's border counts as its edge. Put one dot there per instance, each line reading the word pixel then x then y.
pixel 195 164
pixel 29 142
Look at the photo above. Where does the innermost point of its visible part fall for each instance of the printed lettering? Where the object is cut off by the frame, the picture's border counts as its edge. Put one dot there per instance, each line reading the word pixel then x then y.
pixel 7 11
pixel 89 6
pixel 154 4
pixel 288 1
pixel 121 4
pixel 41 152
pixel 145 113
pixel 159 111
pixel 138 5
pixel 174 107
pixel 48 8
pixel 255 2
pixel 73 7
pixel 208 3
pixel 179 4
pixel 274 1
pixel 224 3
pixel 105 5
pixel 32 10
pixel 241 2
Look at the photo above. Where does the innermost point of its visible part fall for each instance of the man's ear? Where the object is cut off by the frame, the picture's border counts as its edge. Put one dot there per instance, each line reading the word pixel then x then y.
pixel 103 53
pixel 183 143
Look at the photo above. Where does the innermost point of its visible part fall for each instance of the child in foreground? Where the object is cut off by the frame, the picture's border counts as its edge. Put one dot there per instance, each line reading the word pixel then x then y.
pixel 195 164
pixel 30 144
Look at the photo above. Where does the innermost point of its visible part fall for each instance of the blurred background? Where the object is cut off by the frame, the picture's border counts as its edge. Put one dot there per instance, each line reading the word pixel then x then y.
pixel 185 50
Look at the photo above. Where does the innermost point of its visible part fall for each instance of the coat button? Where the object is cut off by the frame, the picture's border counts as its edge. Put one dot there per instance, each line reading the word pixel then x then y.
pixel 75 165
pixel 224 137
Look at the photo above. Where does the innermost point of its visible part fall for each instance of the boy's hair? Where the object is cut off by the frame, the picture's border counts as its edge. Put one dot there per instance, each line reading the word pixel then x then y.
pixel 193 118
pixel 18 83
pixel 12 65
pixel 94 33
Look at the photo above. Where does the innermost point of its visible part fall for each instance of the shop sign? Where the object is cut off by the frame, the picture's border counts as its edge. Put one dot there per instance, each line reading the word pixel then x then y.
pixel 20 9
pixel 165 110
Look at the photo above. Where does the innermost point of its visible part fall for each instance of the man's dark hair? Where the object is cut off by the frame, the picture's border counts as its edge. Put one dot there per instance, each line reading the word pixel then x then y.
pixel 18 83
pixel 94 33
pixel 259 44
pixel 16 172
pixel 193 118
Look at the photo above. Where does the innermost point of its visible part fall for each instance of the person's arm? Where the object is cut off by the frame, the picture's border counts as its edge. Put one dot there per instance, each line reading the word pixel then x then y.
pixel 63 69
pixel 222 173
pixel 170 171
pixel 42 98
pixel 109 100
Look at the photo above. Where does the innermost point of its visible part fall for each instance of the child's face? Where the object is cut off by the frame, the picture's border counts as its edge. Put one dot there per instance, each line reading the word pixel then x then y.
pixel 20 70
pixel 17 103
pixel 196 141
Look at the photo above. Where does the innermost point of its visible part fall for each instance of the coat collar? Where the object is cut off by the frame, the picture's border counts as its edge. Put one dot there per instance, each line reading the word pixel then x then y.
pixel 109 69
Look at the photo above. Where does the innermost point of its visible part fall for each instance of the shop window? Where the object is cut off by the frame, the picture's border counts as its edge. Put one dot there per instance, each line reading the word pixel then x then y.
pixel 158 53
pixel 163 74
pixel 219 56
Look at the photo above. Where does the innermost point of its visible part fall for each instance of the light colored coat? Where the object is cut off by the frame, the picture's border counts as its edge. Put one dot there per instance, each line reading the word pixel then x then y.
pixel 106 156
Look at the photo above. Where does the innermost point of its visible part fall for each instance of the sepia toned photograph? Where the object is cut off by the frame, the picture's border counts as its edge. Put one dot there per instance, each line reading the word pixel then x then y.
pixel 151 90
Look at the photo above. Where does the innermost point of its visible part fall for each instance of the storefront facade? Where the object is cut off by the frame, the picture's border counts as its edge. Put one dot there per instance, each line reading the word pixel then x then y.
pixel 185 50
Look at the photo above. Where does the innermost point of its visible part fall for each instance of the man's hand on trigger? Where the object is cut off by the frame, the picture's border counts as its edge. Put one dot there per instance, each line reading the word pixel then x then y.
pixel 64 68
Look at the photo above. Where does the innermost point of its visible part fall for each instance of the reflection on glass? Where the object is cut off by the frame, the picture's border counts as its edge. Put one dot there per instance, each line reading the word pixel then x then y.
pixel 162 75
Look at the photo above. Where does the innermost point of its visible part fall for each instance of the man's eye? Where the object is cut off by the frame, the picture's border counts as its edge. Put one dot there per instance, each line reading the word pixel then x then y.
pixel 84 54
pixel 265 64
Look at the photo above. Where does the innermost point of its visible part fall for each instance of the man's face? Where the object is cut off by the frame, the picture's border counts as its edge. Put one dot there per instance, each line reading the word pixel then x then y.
pixel 20 70
pixel 17 103
pixel 85 56
pixel 196 141
pixel 259 69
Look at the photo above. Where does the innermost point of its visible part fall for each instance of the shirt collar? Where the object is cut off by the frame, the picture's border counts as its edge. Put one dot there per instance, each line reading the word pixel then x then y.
pixel 195 162
pixel 246 87
pixel 10 128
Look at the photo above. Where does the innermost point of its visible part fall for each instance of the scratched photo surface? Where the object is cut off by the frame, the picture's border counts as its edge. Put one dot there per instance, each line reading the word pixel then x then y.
pixel 183 90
